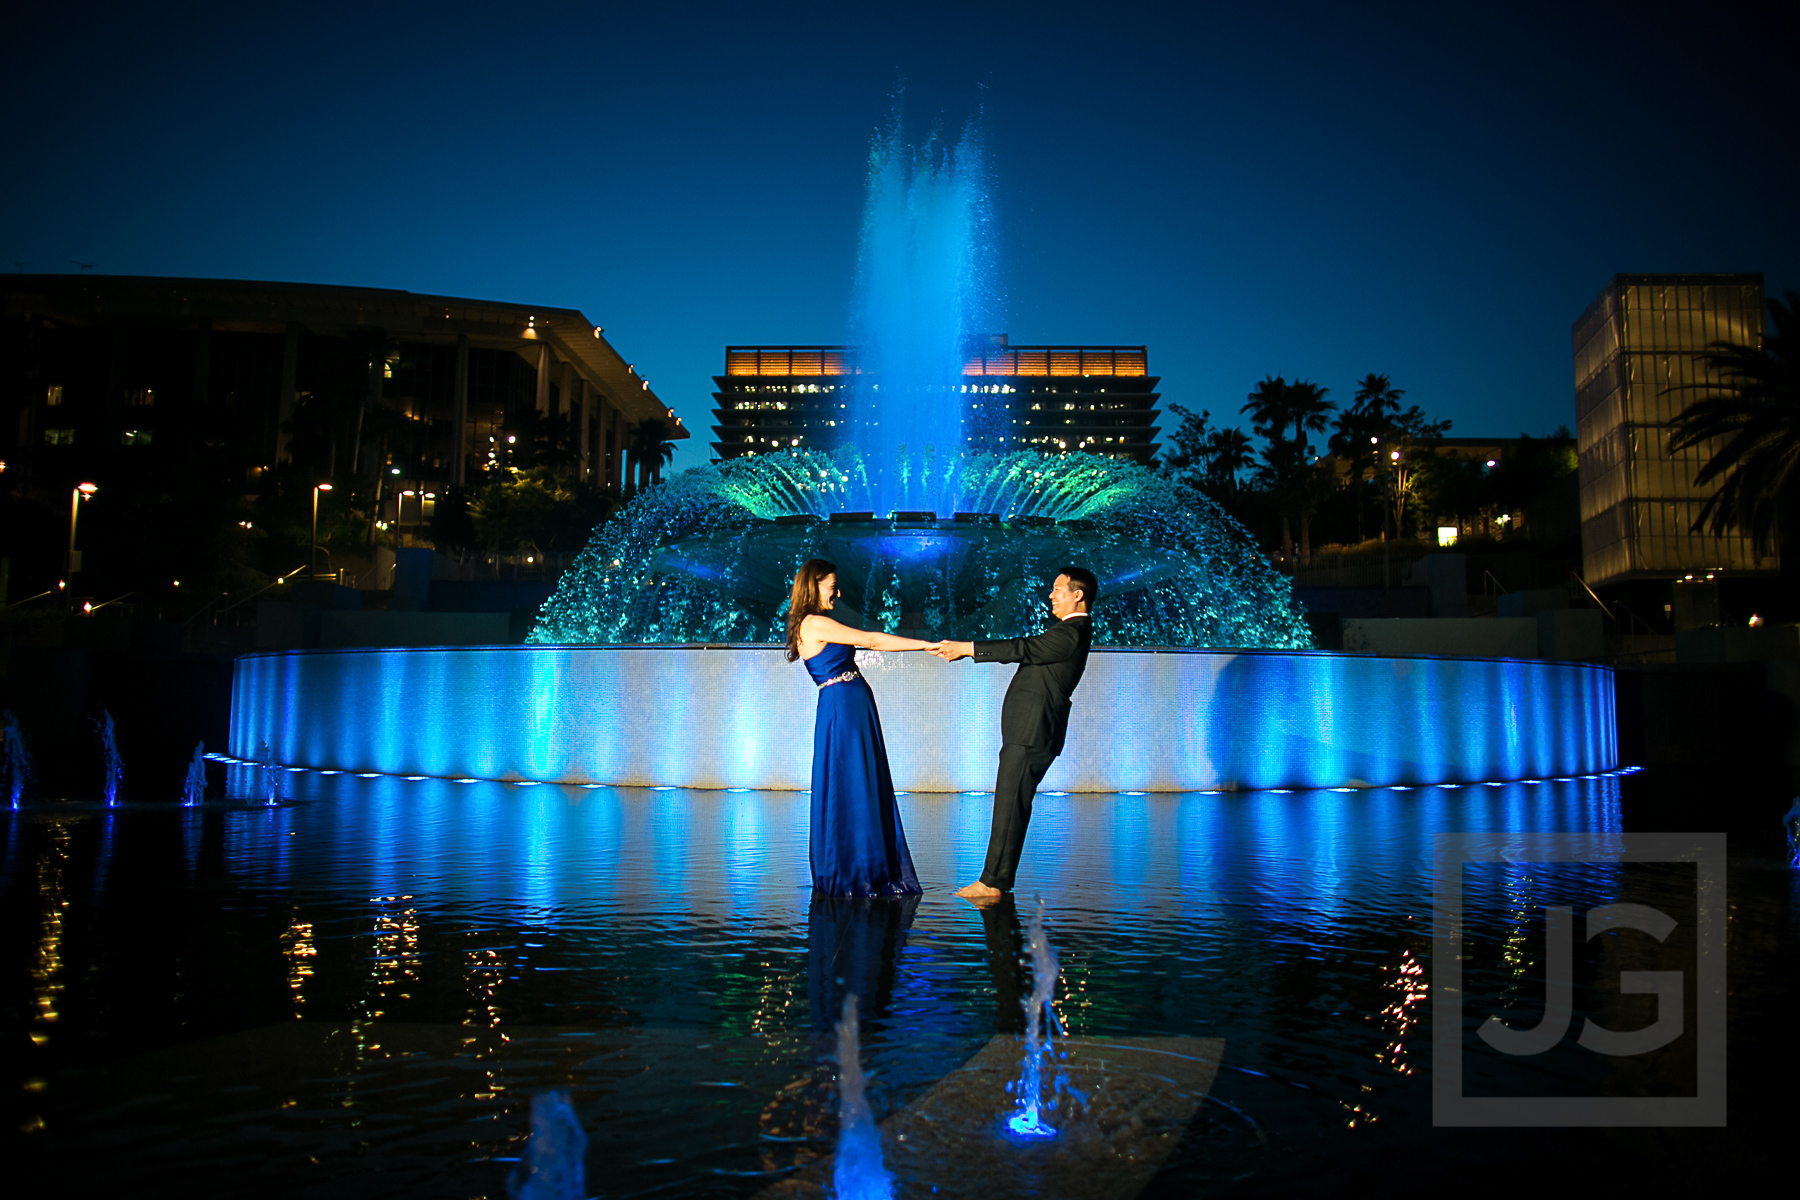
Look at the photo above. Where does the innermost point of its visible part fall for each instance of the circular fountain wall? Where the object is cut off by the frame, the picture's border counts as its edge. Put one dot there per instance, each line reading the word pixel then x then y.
pixel 741 716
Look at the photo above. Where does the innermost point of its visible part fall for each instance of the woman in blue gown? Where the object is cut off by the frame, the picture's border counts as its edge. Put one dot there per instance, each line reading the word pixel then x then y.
pixel 858 847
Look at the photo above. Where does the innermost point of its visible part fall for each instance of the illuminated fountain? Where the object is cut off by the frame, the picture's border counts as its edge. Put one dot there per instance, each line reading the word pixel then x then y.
pixel 638 670
pixel 857 1172
pixel 978 536
pixel 924 294
pixel 708 556
pixel 1030 1118
pixel 553 1164
pixel 193 789
pixel 111 765
pixel 13 759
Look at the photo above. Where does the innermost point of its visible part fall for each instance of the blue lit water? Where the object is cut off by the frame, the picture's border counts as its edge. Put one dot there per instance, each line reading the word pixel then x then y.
pixel 355 994
pixel 925 297
pixel 709 555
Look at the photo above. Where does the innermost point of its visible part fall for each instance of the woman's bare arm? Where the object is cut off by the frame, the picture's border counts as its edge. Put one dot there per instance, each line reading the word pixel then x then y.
pixel 818 628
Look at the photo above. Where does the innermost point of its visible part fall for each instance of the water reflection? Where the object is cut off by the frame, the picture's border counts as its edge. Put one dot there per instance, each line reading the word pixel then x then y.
pixel 376 975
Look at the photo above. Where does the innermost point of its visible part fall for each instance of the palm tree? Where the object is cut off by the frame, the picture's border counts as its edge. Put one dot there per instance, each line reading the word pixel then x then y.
pixel 1308 409
pixel 1228 455
pixel 1753 415
pixel 653 445
pixel 1270 410
pixel 1309 412
pixel 1273 407
pixel 1267 407
pixel 1357 433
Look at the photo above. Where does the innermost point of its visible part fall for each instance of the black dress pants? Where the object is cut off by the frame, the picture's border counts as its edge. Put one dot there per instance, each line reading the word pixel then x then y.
pixel 1021 770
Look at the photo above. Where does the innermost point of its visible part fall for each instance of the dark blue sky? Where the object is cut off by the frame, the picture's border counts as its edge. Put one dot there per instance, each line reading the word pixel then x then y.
pixel 1432 192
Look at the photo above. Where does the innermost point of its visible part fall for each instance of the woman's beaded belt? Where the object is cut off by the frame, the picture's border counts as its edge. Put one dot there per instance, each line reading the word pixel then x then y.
pixel 846 677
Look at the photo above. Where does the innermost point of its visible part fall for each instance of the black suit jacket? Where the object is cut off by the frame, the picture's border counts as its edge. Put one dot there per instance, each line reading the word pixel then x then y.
pixel 1035 712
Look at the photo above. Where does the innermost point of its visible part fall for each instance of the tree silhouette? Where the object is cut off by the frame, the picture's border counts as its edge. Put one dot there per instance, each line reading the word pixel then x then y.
pixel 1357 435
pixel 652 442
pixel 1289 470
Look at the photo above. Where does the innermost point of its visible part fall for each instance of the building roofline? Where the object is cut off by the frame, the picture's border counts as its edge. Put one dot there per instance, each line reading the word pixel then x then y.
pixel 408 315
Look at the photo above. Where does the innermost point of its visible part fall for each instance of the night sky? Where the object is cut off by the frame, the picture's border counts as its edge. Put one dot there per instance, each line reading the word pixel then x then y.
pixel 1434 193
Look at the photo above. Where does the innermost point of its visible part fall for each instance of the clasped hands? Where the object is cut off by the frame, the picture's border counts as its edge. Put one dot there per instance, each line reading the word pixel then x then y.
pixel 951 651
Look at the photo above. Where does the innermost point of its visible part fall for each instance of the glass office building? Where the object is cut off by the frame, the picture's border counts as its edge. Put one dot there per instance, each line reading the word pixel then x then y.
pixel 1094 399
pixel 1640 358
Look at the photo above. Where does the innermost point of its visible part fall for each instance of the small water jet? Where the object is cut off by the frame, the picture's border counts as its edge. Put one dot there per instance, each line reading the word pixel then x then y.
pixel 268 775
pixel 552 1166
pixel 13 759
pixel 193 790
pixel 1030 1106
pixel 857 1172
pixel 111 764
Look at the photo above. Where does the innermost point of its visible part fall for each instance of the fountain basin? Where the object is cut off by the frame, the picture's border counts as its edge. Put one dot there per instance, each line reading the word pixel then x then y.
pixel 741 716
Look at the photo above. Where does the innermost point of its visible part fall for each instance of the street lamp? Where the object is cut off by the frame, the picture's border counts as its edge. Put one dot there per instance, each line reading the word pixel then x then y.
pixel 81 492
pixel 313 562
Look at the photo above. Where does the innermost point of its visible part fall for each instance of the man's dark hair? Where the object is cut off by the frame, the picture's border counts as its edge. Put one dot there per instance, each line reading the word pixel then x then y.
pixel 1083 580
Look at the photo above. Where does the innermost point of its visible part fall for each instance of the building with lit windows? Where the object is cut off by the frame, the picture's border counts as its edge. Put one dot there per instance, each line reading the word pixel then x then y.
pixel 105 376
pixel 1640 358
pixel 1100 400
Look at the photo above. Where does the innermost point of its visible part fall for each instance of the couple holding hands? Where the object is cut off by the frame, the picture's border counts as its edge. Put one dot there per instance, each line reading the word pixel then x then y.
pixel 858 846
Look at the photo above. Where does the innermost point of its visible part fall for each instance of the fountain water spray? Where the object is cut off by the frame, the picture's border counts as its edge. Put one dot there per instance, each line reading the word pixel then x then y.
pixel 1791 823
pixel 193 791
pixel 857 1172
pixel 111 763
pixel 552 1166
pixel 1030 1107
pixel 707 556
pixel 13 759
pixel 268 775
pixel 924 297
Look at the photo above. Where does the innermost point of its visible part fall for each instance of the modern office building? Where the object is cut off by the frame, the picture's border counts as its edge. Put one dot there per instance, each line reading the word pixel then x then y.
pixel 106 372
pixel 1640 358
pixel 1100 400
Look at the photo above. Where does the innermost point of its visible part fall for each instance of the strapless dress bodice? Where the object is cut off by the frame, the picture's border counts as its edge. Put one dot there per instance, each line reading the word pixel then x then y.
pixel 832 660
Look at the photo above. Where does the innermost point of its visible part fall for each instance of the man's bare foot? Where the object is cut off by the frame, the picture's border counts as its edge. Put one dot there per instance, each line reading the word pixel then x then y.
pixel 979 891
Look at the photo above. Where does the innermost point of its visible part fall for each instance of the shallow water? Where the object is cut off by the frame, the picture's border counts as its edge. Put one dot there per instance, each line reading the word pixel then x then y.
pixel 356 994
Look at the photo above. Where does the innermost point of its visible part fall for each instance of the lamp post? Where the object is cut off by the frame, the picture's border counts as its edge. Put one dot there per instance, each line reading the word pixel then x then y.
pixel 80 492
pixel 313 562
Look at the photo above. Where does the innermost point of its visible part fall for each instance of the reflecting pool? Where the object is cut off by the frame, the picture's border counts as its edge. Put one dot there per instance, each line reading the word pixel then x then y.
pixel 356 992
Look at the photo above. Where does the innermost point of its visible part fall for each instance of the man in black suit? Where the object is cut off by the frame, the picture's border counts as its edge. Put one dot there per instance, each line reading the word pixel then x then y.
pixel 1034 717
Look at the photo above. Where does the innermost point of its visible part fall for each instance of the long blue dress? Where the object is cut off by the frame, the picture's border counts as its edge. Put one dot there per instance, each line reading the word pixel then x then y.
pixel 858 847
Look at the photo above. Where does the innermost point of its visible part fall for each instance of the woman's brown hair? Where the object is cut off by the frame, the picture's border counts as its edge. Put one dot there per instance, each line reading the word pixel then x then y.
pixel 803 601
